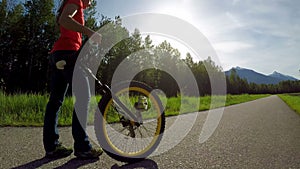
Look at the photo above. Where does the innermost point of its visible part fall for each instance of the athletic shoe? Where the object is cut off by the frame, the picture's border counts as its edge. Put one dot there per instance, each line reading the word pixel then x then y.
pixel 91 154
pixel 60 151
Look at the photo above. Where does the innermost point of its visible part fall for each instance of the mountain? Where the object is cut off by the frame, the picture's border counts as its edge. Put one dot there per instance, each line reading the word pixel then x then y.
pixel 282 76
pixel 259 78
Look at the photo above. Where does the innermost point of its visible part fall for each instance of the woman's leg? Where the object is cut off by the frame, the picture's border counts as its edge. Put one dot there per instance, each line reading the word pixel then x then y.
pixel 81 89
pixel 59 87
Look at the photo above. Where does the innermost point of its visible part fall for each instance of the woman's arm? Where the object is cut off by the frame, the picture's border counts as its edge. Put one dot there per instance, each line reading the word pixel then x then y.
pixel 66 20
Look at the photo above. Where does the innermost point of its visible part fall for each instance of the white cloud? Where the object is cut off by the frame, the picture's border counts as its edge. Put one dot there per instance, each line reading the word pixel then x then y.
pixel 230 47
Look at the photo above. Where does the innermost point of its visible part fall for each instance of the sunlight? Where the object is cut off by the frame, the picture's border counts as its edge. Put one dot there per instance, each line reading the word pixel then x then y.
pixel 181 10
pixel 186 10
pixel 175 43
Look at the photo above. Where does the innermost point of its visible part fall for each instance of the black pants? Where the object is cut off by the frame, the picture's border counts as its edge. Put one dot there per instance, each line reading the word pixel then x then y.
pixel 61 80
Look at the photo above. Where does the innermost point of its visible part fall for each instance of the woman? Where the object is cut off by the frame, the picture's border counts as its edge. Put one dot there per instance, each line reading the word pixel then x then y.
pixel 63 56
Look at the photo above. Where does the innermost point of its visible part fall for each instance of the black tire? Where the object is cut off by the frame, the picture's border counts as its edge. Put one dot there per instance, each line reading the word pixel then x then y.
pixel 111 129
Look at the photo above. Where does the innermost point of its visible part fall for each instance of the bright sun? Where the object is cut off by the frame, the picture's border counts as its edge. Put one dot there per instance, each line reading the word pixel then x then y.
pixel 184 11
pixel 181 10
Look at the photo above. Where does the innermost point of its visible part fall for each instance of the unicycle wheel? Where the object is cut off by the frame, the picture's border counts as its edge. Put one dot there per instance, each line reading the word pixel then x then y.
pixel 124 139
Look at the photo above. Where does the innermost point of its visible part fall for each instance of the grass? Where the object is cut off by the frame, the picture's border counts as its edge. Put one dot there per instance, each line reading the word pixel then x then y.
pixel 293 100
pixel 189 104
pixel 22 109
pixel 28 109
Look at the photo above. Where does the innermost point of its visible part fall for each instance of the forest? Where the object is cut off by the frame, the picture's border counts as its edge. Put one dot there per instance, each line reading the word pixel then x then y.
pixel 28 31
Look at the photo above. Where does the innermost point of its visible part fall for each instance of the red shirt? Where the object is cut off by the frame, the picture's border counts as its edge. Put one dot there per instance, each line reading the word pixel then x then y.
pixel 70 40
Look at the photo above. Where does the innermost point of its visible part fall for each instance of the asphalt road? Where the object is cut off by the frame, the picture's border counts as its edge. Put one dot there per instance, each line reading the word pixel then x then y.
pixel 259 134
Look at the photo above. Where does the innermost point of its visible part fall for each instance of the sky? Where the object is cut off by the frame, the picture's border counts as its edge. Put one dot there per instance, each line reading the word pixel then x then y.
pixel 263 35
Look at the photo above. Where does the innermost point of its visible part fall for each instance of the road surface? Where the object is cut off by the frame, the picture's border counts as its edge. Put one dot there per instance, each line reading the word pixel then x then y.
pixel 264 133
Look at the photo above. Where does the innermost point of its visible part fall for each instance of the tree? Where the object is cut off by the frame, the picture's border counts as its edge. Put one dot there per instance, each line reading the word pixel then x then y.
pixel 12 37
pixel 41 33
pixel 116 40
pixel 3 43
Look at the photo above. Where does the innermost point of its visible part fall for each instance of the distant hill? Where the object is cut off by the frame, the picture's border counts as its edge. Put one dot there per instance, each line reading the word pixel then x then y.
pixel 259 78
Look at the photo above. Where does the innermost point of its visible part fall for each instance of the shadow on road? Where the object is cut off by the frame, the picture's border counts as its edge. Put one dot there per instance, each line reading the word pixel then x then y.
pixel 71 164
pixel 76 163
pixel 146 164
pixel 36 163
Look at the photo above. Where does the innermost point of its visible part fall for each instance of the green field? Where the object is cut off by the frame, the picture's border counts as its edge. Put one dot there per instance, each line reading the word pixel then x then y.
pixel 293 100
pixel 28 109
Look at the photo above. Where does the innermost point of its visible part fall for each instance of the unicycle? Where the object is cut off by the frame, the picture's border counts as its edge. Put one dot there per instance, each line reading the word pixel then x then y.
pixel 126 138
pixel 130 119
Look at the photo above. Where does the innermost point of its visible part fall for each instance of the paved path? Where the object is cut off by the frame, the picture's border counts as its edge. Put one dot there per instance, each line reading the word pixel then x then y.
pixel 260 134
